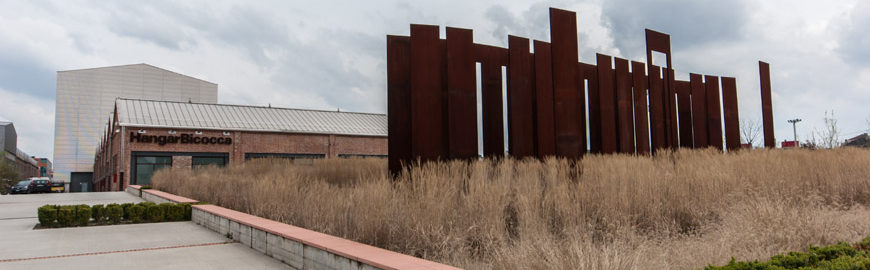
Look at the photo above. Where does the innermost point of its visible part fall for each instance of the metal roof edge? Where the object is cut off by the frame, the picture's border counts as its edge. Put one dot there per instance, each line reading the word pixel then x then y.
pixel 249 130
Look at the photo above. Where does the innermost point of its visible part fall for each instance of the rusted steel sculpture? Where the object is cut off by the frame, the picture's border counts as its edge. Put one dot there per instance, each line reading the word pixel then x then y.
pixel 633 107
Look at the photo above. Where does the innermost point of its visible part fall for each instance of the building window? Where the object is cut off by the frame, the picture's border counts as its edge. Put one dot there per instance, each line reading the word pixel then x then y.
pixel 146 166
pixel 206 161
pixel 249 156
pixel 361 156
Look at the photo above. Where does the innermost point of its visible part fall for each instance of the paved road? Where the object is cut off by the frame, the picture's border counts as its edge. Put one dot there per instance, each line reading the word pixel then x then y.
pixel 168 245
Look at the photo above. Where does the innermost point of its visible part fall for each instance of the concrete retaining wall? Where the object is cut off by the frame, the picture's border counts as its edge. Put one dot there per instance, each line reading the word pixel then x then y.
pixel 297 247
pixel 136 190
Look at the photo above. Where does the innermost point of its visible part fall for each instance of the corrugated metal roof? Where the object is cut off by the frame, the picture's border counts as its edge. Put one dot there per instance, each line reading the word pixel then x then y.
pixel 151 113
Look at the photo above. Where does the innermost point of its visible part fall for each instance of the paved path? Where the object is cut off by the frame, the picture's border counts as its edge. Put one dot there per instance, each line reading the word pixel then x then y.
pixel 167 245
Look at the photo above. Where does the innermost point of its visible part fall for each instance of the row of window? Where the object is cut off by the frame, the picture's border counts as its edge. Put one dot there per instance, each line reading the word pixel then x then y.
pixel 145 164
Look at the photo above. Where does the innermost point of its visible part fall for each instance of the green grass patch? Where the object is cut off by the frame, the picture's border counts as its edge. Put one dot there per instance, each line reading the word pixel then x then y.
pixel 841 256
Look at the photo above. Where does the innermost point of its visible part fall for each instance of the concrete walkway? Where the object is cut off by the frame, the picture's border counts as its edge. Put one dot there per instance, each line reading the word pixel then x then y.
pixel 168 245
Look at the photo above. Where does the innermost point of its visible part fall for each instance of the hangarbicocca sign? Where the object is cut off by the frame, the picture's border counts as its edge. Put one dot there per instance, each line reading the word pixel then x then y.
pixel 182 139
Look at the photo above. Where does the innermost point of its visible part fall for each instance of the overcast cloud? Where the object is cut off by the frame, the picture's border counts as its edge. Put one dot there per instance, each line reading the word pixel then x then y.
pixel 329 55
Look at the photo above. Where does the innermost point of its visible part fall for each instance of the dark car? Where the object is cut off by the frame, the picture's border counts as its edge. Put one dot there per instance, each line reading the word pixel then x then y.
pixel 22 187
pixel 40 185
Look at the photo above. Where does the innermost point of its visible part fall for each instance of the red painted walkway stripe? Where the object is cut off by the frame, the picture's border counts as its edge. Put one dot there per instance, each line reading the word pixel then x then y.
pixel 111 252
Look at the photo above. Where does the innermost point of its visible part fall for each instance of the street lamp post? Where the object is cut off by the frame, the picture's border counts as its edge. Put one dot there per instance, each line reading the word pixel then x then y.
pixel 794 128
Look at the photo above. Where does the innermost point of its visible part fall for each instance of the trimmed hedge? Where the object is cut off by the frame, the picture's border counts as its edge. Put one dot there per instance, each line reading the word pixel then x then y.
pixel 47 215
pixel 83 215
pixel 155 213
pixel 833 257
pixel 66 215
pixel 136 213
pixel 114 212
pixel 98 213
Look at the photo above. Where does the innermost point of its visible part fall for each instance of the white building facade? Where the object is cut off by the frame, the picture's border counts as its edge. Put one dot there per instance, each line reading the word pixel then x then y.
pixel 86 99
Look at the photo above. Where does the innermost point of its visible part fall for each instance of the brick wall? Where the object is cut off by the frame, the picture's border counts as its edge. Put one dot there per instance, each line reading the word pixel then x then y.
pixel 243 142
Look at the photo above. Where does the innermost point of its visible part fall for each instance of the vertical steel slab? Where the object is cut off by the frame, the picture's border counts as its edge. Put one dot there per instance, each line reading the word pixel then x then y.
pixel 461 94
pixel 661 42
pixel 671 109
pixel 624 108
pixel 607 104
pixel 428 140
pixel 714 118
pixel 732 120
pixel 684 115
pixel 563 35
pixel 656 109
pixel 641 117
pixel 493 110
pixel 766 104
pixel 398 102
pixel 699 110
pixel 521 99
pixel 590 74
pixel 544 100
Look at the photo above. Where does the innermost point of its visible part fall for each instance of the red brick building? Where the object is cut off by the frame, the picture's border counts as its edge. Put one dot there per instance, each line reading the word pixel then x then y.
pixel 144 136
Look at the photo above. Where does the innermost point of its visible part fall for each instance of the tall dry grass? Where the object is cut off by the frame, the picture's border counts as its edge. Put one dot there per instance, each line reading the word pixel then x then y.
pixel 677 210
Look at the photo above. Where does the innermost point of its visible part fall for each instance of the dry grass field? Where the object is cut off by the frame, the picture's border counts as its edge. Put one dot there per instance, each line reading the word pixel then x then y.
pixel 677 210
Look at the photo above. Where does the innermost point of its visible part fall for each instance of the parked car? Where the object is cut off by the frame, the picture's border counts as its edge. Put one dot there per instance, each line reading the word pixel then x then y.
pixel 57 186
pixel 39 185
pixel 22 187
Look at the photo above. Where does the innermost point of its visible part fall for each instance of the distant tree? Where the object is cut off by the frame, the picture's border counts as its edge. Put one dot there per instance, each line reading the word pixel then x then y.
pixel 750 130
pixel 8 175
pixel 830 133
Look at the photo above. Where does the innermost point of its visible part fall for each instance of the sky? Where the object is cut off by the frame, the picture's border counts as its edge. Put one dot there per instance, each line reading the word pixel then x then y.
pixel 331 54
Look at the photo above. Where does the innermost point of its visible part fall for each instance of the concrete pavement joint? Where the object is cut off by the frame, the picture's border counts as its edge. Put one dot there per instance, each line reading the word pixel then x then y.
pixel 114 251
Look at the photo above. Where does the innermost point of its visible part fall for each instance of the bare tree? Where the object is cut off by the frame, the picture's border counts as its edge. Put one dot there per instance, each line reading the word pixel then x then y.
pixel 750 130
pixel 830 133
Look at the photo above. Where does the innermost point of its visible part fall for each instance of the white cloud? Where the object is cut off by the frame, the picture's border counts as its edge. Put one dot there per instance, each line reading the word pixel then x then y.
pixel 329 54
pixel 33 119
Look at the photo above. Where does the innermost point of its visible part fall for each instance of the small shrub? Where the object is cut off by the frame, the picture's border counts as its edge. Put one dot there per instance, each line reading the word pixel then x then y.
pixel 145 187
pixel 83 215
pixel 124 208
pixel 166 207
pixel 175 212
pixel 187 210
pixel 154 213
pixel 66 215
pixel 98 212
pixel 136 212
pixel 114 212
pixel 47 215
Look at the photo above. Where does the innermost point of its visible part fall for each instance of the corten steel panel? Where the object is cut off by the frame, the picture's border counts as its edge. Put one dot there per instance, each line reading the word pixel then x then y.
pixel 656 117
pixel 461 94
pixel 428 140
pixel 624 112
pixel 660 42
pixel 671 110
pixel 714 118
pixel 699 110
pixel 563 35
pixel 641 126
pixel 544 100
pixel 590 74
pixel 521 99
pixel 657 42
pixel 493 110
pixel 490 54
pixel 607 104
pixel 684 106
pixel 732 120
pixel 766 104
pixel 398 102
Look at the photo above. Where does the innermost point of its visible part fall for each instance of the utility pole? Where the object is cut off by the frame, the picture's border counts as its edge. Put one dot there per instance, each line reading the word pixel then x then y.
pixel 794 128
